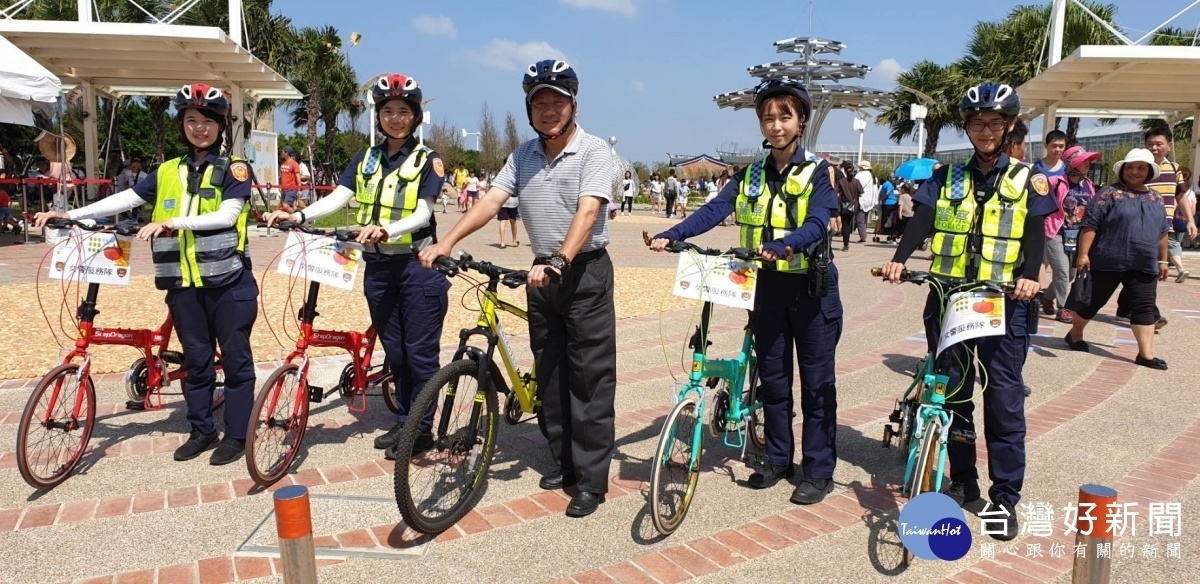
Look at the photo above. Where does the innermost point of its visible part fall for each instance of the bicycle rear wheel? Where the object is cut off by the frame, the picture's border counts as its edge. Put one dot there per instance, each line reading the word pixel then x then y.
pixel 277 425
pixel 436 486
pixel 676 467
pixel 925 471
pixel 51 438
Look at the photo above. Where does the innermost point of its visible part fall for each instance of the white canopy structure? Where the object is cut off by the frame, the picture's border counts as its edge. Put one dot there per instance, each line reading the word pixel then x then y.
pixel 1116 81
pixel 157 58
pixel 25 85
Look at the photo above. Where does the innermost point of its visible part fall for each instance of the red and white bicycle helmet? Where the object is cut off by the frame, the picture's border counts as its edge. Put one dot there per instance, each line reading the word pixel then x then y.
pixel 396 86
pixel 202 96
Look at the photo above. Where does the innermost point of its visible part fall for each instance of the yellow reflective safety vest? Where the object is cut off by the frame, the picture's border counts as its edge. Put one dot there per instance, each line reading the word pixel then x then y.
pixel 208 258
pixel 980 240
pixel 384 199
pixel 763 216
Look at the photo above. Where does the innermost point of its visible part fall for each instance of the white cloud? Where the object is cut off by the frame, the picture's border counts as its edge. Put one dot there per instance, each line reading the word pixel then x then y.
pixel 435 26
pixel 883 75
pixel 507 55
pixel 638 86
pixel 622 7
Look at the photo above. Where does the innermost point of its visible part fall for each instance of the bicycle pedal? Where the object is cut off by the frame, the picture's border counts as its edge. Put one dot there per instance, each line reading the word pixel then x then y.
pixel 756 460
pixel 171 357
pixel 963 436
pixel 135 406
pixel 316 394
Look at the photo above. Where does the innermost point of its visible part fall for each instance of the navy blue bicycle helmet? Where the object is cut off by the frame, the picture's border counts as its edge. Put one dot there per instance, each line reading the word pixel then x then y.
pixel 773 87
pixel 990 97
pixel 553 74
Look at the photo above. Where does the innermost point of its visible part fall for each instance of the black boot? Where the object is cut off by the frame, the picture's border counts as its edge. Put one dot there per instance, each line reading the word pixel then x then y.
pixel 195 445
pixel 769 476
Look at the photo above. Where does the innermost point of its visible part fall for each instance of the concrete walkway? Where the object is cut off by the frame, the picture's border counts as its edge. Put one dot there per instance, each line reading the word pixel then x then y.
pixel 131 514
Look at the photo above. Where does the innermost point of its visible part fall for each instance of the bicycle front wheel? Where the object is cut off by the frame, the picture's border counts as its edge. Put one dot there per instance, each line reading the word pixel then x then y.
pixel 676 467
pixel 441 473
pixel 277 425
pixel 52 435
pixel 924 473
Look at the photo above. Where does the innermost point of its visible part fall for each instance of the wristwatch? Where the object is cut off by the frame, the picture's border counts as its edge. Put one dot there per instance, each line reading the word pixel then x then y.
pixel 559 262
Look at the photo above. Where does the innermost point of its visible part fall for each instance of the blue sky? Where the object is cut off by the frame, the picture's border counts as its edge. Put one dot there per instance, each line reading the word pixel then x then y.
pixel 649 68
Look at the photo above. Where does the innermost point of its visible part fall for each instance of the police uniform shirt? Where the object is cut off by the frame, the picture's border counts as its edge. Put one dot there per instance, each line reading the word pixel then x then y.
pixel 231 187
pixel 429 188
pixel 822 204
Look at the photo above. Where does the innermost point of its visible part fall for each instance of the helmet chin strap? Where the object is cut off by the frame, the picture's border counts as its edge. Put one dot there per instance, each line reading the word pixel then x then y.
pixel 548 137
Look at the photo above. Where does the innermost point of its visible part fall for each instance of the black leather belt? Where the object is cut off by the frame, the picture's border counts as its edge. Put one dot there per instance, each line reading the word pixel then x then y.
pixel 582 258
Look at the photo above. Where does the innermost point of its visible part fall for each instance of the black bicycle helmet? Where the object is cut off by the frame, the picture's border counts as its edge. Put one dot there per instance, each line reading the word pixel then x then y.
pixel 773 87
pixel 556 75
pixel 550 73
pixel 990 97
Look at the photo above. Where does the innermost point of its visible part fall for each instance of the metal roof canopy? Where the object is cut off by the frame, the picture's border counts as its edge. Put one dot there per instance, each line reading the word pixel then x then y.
pixel 1115 81
pixel 124 59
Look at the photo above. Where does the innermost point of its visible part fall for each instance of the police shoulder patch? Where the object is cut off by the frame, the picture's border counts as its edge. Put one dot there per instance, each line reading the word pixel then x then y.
pixel 240 171
pixel 1041 185
pixel 439 168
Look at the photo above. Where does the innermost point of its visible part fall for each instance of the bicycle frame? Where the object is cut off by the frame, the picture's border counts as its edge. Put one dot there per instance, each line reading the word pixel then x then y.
pixel 523 386
pixel 151 342
pixel 361 347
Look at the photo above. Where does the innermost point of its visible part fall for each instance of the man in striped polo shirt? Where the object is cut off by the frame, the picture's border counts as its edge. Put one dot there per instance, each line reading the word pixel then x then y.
pixel 563 180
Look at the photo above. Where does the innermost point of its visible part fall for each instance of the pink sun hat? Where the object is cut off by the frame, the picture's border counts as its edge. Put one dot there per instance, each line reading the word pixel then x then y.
pixel 1076 156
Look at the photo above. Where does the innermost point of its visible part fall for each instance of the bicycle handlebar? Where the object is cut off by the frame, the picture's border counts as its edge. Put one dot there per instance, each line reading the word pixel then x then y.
pixel 923 277
pixel 681 246
pixel 127 228
pixel 338 234
pixel 512 278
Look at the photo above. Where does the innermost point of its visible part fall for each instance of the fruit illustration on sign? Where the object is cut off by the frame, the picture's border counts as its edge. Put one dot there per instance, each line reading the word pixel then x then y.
pixel 341 258
pixel 983 307
pixel 112 252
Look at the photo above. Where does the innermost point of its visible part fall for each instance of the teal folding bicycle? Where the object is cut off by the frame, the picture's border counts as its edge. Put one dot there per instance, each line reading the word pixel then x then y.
pixel 736 413
pixel 922 423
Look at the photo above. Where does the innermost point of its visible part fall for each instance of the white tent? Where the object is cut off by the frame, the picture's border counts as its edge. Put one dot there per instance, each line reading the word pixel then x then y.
pixel 24 85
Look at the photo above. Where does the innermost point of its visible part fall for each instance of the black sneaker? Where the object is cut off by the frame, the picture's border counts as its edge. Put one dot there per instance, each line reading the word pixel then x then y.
pixel 769 476
pixel 812 491
pixel 229 450
pixel 197 443
pixel 963 492
pixel 1001 521
pixel 388 439
pixel 423 444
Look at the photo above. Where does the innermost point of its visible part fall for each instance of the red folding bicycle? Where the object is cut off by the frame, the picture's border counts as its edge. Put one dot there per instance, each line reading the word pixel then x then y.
pixel 280 415
pixel 61 412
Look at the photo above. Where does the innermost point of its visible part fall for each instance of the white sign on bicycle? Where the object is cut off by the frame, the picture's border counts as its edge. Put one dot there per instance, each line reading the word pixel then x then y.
pixel 95 258
pixel 320 259
pixel 717 279
pixel 971 315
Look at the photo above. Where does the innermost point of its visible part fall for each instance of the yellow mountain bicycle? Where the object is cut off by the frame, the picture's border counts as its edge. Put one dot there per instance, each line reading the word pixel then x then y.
pixel 441 471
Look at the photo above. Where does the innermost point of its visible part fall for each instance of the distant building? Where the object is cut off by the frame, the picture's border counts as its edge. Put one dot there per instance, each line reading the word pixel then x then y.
pixel 702 166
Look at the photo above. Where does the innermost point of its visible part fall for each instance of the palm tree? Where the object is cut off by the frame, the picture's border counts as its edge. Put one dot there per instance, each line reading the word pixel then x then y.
pixel 1015 50
pixel 944 84
pixel 316 53
pixel 338 91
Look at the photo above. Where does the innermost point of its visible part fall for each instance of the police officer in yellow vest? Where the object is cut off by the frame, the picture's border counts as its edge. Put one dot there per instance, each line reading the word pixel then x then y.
pixel 782 205
pixel 198 244
pixel 985 218
pixel 395 185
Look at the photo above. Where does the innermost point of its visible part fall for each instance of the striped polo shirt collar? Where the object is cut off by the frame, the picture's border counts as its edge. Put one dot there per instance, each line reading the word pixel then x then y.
pixel 572 146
